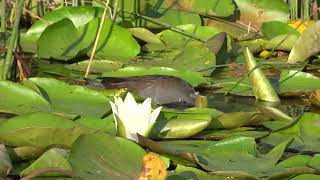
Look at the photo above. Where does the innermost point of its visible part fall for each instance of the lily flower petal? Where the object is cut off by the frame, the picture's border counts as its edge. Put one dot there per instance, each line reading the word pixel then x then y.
pixel 132 117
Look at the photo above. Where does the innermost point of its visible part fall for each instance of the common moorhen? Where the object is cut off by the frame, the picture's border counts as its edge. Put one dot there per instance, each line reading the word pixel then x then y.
pixel 162 89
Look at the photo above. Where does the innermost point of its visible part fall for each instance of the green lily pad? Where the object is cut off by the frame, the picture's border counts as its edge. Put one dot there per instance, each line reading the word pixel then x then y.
pixel 304 132
pixel 106 125
pixel 194 78
pixel 292 80
pixel 307 44
pixel 19 99
pixel 145 35
pixel 207 7
pixel 97 66
pixel 221 134
pixel 256 12
pixel 179 128
pixel 232 120
pixel 107 157
pixel 194 56
pixel 239 154
pixel 78 15
pixel 72 99
pixel 306 176
pixel 24 153
pixel 193 173
pixel 176 40
pixel 59 47
pixel 272 29
pixel 54 157
pixel 40 130
pixel 295 161
pixel 114 41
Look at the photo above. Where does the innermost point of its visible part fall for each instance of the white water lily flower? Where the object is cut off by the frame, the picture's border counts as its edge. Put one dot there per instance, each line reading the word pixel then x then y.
pixel 132 117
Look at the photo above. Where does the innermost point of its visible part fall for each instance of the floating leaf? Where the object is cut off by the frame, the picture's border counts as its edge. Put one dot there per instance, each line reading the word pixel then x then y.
pixel 272 29
pixel 54 157
pixel 145 35
pixel 292 80
pixel 221 134
pixel 114 41
pixel 185 172
pixel 23 153
pixel 106 125
pixel 232 120
pixel 306 176
pixel 107 157
pixel 194 78
pixel 78 15
pixel 304 132
pixel 239 154
pixel 40 130
pixel 180 128
pixel 194 56
pixel 295 161
pixel 256 12
pixel 175 40
pixel 307 44
pixel 72 99
pixel 19 99
pixel 62 46
pixel 97 66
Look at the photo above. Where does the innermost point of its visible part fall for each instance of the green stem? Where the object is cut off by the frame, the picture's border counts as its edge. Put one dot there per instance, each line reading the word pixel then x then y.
pixel 294 4
pixel 40 8
pixel 75 3
pixel 3 16
pixel 306 10
pixel 13 40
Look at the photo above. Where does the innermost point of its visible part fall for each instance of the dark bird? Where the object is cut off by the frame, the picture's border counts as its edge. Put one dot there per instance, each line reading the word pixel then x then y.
pixel 162 89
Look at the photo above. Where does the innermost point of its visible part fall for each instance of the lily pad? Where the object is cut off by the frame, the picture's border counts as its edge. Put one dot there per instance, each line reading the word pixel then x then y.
pixel 114 41
pixel 19 99
pixel 97 66
pixel 106 125
pixel 292 80
pixel 54 157
pixel 145 35
pixel 194 56
pixel 180 128
pixel 272 29
pixel 256 12
pixel 107 157
pixel 72 99
pixel 304 132
pixel 208 7
pixel 194 78
pixel 40 130
pixel 240 154
pixel 193 173
pixel 307 44
pixel 59 47
pixel 175 40
pixel 78 15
